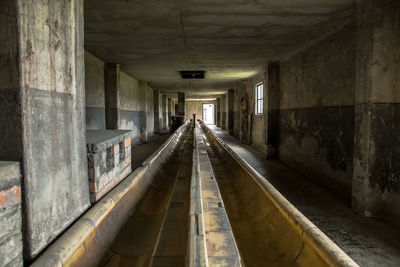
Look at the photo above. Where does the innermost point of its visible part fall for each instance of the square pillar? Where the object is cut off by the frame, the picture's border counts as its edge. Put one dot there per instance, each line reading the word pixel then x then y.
pixel 272 93
pixel 157 126
pixel 181 104
pixel 223 112
pixel 111 80
pixel 42 104
pixel 231 111
pixel 164 112
pixel 143 111
pixel 376 177
pixel 169 111
pixel 218 111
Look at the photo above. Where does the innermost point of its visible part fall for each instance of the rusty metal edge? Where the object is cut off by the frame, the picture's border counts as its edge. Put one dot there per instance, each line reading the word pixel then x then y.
pixel 311 234
pixel 88 238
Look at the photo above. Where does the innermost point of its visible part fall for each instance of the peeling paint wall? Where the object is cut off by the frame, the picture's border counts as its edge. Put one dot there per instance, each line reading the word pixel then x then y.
pixel 128 100
pixel 94 93
pixel 316 115
pixel 128 105
pixel 376 180
pixel 250 128
pixel 150 111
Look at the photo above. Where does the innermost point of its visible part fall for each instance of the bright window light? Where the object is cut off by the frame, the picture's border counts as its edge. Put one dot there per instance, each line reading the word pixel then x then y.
pixel 259 98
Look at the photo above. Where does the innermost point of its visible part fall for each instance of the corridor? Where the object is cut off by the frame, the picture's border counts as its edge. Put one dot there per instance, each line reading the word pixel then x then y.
pixel 200 133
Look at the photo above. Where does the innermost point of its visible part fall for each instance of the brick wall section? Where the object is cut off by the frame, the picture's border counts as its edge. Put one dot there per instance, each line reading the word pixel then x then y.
pixel 108 165
pixel 10 214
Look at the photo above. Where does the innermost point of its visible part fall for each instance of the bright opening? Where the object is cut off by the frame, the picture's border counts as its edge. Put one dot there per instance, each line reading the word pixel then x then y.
pixel 259 98
pixel 208 113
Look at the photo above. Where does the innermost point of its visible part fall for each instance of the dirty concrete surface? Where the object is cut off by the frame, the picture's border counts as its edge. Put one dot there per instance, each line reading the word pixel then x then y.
pixel 368 241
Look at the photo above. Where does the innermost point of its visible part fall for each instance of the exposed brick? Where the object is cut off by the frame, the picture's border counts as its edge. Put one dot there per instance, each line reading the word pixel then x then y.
pixel 127 142
pixel 115 163
pixel 10 197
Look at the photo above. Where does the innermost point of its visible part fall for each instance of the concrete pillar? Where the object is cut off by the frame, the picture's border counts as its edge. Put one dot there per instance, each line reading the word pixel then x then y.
pixel 143 111
pixel 164 112
pixel 231 111
pixel 169 111
pixel 272 92
pixel 244 114
pixel 223 113
pixel 111 80
pixel 376 177
pixel 181 104
pixel 157 126
pixel 218 111
pixel 42 113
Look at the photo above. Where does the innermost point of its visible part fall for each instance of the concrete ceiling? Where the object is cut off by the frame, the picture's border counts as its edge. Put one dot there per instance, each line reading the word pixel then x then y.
pixel 230 39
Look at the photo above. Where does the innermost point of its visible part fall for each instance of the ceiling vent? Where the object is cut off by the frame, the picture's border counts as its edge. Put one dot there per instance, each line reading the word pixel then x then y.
pixel 192 74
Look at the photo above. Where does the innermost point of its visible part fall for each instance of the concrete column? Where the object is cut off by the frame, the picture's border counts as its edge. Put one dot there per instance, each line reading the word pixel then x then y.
pixel 181 104
pixel 244 120
pixel 231 111
pixel 164 112
pixel 143 111
pixel 42 110
pixel 223 112
pixel 111 80
pixel 157 126
pixel 376 177
pixel 272 91
pixel 169 111
pixel 218 111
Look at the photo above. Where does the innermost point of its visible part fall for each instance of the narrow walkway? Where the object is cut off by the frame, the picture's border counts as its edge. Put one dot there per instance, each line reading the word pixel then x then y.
pixel 142 151
pixel 368 241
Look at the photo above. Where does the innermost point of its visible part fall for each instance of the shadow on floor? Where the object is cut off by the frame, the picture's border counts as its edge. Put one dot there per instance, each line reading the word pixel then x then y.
pixel 368 241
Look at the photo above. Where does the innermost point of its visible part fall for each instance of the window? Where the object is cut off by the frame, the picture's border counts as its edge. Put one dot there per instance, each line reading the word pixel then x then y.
pixel 259 98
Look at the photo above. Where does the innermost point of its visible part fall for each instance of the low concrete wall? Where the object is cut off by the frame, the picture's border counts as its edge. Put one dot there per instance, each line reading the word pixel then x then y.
pixel 109 160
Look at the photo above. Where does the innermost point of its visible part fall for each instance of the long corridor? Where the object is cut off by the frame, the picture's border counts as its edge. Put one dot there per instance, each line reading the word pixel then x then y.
pixel 232 214
pixel 200 133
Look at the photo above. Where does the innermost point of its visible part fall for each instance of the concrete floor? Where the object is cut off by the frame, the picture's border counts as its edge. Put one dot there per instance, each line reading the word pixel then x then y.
pixel 368 241
pixel 141 152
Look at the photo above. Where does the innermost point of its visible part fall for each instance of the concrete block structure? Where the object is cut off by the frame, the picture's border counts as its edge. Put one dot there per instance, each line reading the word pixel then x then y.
pixel 109 160
pixel 10 214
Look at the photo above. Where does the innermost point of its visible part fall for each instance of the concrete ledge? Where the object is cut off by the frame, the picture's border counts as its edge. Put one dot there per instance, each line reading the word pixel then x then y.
pixel 87 240
pixel 317 248
pixel 99 140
